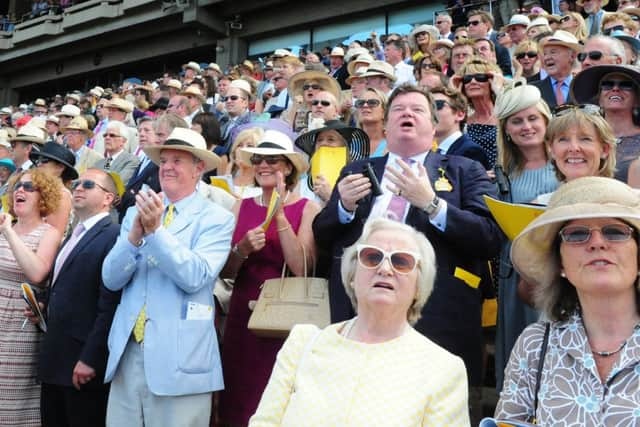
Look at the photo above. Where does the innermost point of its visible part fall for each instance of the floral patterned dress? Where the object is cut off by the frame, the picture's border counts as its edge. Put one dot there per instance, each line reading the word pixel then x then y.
pixel 571 392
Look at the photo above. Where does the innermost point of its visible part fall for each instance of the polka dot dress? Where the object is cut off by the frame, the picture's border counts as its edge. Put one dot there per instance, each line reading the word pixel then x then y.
pixel 485 136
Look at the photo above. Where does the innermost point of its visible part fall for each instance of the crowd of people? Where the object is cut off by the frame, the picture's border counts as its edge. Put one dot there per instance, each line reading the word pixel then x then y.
pixel 143 218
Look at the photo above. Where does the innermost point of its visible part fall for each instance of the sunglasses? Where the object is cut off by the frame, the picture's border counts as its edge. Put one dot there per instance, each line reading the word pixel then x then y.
pixel 473 23
pixel 578 234
pixel 608 31
pixel 25 185
pixel 427 66
pixel 625 85
pixel 360 103
pixel 422 34
pixel 501 35
pixel 42 161
pixel 439 22
pixel 563 109
pixel 594 55
pixel 402 262
pixel 314 87
pixel 275 79
pixel 480 78
pixel 111 135
pixel 87 184
pixel 320 101
pixel 231 98
pixel 257 159
pixel 461 37
pixel 565 19
pixel 531 54
pixel 440 103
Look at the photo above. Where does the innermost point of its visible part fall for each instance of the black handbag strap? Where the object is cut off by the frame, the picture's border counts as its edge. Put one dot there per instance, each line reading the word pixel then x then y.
pixel 543 353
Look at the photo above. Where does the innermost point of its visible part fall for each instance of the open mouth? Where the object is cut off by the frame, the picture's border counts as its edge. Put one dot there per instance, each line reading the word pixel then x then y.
pixel 600 262
pixel 407 124
pixel 382 285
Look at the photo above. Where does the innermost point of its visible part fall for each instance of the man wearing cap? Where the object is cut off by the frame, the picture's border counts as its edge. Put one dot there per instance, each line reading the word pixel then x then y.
pixel 53 128
pixel 73 352
pixel 559 53
pixel 40 108
pixel 76 135
pixel 338 67
pixel 191 69
pixel 517 30
pixel 394 55
pixel 119 109
pixel 171 248
pixel 22 145
pixel 213 70
pixel 594 10
pixel 67 113
pixel 195 100
pixel 237 109
pixel 379 75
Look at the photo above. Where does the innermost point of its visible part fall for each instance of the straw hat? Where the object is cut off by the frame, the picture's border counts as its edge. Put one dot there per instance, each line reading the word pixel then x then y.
pixel 280 53
pixel 564 39
pixel 215 67
pixel 79 123
pixel 120 104
pixel 31 134
pixel 355 52
pixel 327 82
pixel 540 20
pixel 73 96
pixel 247 64
pixel 337 51
pixel 532 252
pixel 182 139
pixel 380 68
pixel 176 84
pixel 585 86
pixel 53 119
pixel 242 85
pixel 424 28
pixel 62 155
pixel 193 91
pixel 445 42
pixel 6 111
pixel 518 19
pixel 97 91
pixel 363 60
pixel 68 110
pixel 192 65
pixel 40 102
pixel 274 143
pixel 146 88
pixel 4 139
pixel 357 140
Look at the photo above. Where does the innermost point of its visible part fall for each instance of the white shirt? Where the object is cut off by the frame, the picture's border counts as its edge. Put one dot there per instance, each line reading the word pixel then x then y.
pixel 446 143
pixel 403 73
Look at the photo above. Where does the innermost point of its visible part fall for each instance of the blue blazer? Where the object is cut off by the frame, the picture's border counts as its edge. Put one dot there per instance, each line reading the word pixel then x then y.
pixel 465 147
pixel 452 315
pixel 79 310
pixel 174 266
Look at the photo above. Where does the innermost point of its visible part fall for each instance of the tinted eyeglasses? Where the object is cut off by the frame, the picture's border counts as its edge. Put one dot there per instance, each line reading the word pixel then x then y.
pixel 460 37
pixel 321 102
pixel 578 234
pixel 440 103
pixel 563 109
pixel 360 103
pixel 313 86
pixel 231 98
pixel 402 262
pixel 111 135
pixel 480 78
pixel 594 55
pixel 87 184
pixel 531 54
pixel 565 19
pixel 625 85
pixel 473 23
pixel 27 186
pixel 256 159
pixel 608 31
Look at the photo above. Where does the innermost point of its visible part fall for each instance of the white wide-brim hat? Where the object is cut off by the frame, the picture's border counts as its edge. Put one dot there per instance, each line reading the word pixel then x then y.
pixel 274 143
pixel 183 139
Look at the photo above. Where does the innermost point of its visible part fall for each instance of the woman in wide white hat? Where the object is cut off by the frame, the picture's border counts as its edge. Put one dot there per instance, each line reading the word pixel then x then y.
pixel 580 367
pixel 259 252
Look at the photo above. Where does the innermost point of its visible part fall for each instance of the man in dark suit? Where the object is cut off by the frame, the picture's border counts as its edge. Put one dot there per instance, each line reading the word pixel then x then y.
pixel 73 353
pixel 443 199
pixel 559 53
pixel 451 110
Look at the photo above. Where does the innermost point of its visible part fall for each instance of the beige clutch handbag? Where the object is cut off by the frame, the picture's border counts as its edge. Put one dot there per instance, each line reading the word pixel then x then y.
pixel 288 301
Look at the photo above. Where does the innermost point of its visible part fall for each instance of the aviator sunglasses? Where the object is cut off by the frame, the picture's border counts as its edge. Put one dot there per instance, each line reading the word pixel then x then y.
pixel 368 102
pixel 402 262
pixel 577 234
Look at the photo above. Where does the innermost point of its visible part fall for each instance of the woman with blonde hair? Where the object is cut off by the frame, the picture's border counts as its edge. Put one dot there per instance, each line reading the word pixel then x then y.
pixel 421 39
pixel 370 112
pixel 527 173
pixel 574 23
pixel 480 81
pixel 240 171
pixel 526 61
pixel 374 369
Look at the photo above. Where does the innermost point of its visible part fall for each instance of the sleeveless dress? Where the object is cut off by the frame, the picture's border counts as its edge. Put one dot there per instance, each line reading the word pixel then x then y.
pixel 247 360
pixel 19 389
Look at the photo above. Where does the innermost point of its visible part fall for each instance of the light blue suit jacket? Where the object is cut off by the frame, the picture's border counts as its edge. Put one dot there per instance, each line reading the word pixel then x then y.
pixel 174 266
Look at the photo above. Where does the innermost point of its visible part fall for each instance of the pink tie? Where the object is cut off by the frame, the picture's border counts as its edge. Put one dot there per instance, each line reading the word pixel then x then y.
pixel 64 254
pixel 559 94
pixel 398 204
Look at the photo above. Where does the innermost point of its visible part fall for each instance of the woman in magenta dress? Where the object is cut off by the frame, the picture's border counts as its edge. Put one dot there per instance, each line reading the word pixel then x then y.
pixel 247 359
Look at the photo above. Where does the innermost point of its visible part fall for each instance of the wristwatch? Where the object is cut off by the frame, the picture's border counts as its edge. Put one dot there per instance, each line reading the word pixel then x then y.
pixel 432 206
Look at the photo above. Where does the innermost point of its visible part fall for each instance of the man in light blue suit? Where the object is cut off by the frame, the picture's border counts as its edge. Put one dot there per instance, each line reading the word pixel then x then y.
pixel 164 361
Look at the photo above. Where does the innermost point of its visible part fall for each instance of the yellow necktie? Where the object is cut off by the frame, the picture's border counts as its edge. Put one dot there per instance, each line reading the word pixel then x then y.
pixel 138 328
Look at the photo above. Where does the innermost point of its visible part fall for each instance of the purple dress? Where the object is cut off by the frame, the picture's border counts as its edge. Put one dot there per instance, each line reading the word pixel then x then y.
pixel 248 360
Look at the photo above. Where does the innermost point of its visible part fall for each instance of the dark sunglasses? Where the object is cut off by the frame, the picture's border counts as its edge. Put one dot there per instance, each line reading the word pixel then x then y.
pixel 578 234
pixel 594 55
pixel 42 161
pixel 428 66
pixel 608 31
pixel 111 135
pixel 625 85
pixel 231 98
pixel 320 101
pixel 87 184
pixel 402 262
pixel 563 109
pixel 480 78
pixel 368 102
pixel 501 35
pixel 439 22
pixel 461 37
pixel 473 23
pixel 565 19
pixel 440 103
pixel 314 87
pixel 257 159
pixel 531 54
pixel 25 185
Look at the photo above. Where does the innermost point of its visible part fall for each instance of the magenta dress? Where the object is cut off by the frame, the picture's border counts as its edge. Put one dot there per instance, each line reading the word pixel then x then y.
pixel 247 360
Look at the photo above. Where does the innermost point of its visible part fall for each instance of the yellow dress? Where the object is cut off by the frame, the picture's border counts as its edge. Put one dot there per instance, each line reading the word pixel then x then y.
pixel 408 381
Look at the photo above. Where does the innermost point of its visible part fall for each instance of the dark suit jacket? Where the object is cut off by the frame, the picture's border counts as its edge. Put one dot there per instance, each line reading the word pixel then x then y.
pixel 148 176
pixel 548 94
pixel 80 310
pixel 503 58
pixel 465 147
pixel 452 316
pixel 341 75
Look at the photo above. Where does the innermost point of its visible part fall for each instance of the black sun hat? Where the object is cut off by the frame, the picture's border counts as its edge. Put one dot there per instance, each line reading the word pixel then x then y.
pixel 357 140
pixel 62 155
